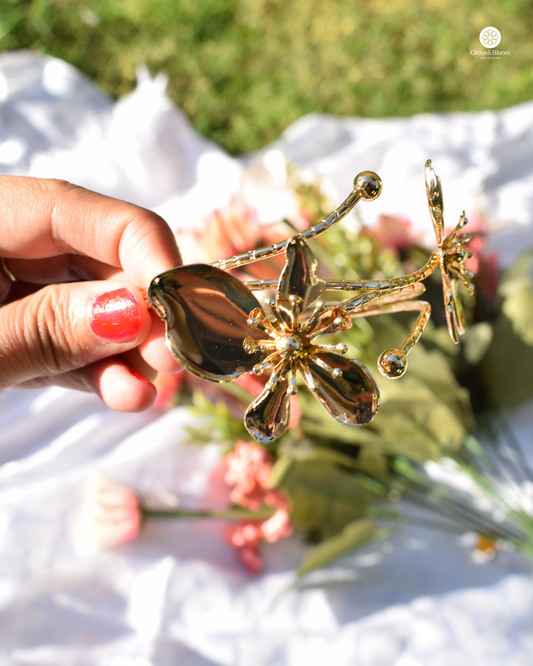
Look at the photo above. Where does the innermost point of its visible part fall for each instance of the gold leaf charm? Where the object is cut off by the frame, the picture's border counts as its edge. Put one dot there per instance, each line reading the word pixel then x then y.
pixel 206 312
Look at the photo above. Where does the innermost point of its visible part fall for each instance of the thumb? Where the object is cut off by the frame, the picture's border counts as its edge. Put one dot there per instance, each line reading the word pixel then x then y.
pixel 67 326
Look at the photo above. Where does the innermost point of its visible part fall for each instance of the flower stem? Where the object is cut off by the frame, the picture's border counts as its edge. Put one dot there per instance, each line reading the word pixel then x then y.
pixel 235 513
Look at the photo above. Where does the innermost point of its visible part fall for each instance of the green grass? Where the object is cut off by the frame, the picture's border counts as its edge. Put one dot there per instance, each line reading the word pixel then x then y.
pixel 243 70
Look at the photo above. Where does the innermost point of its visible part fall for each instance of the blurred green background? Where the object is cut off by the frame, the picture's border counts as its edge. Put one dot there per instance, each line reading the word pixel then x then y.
pixel 243 70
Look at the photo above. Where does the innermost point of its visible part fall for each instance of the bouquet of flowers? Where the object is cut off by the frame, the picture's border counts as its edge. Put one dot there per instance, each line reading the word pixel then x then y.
pixel 439 452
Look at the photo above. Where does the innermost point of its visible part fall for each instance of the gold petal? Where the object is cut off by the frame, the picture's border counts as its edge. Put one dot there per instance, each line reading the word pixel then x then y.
pixel 450 307
pixel 435 203
pixel 459 312
pixel 327 321
pixel 267 418
pixel 206 313
pixel 299 277
pixel 351 396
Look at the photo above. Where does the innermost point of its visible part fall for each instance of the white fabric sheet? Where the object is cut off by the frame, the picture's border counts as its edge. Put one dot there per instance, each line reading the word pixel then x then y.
pixel 178 595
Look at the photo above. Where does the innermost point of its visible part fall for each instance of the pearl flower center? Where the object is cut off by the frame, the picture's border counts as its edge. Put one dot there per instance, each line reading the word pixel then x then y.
pixel 291 346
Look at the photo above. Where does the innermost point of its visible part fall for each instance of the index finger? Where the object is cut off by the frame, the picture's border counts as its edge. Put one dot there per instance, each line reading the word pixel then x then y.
pixel 45 218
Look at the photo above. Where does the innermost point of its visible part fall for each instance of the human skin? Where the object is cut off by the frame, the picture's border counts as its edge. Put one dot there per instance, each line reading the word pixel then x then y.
pixel 77 315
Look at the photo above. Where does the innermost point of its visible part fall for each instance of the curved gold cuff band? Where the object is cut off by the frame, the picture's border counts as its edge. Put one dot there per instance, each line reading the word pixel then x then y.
pixel 9 275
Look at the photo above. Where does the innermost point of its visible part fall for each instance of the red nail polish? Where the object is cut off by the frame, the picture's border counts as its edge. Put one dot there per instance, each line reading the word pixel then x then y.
pixel 140 377
pixel 116 316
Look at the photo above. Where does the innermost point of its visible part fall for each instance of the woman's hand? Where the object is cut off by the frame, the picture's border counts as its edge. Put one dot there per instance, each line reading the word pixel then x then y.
pixel 77 314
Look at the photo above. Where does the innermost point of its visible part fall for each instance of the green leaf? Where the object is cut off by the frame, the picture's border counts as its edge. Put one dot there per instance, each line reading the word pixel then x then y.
pixel 430 367
pixel 279 471
pixel 517 290
pixel 507 368
pixel 238 392
pixel 324 498
pixel 216 423
pixel 425 412
pixel 421 415
pixel 369 467
pixel 416 422
pixel 317 423
pixel 477 339
pixel 354 535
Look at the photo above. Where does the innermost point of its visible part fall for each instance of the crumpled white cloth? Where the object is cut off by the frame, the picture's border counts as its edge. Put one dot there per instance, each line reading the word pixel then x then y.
pixel 178 595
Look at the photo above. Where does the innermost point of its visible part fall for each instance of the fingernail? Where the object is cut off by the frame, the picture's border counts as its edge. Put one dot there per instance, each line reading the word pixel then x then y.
pixel 116 316
pixel 140 377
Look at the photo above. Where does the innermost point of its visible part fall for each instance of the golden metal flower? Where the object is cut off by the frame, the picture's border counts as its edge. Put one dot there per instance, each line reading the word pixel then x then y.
pixel 345 387
pixel 452 256
pixel 217 329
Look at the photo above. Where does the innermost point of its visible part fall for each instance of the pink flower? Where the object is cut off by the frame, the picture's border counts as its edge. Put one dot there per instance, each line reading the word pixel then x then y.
pixel 252 383
pixel 483 264
pixel 246 538
pixel 224 233
pixel 246 533
pixel 277 526
pixel 277 499
pixel 248 469
pixel 296 412
pixel 251 558
pixel 395 233
pixel 110 515
pixel 488 276
pixel 235 230
pixel 478 233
